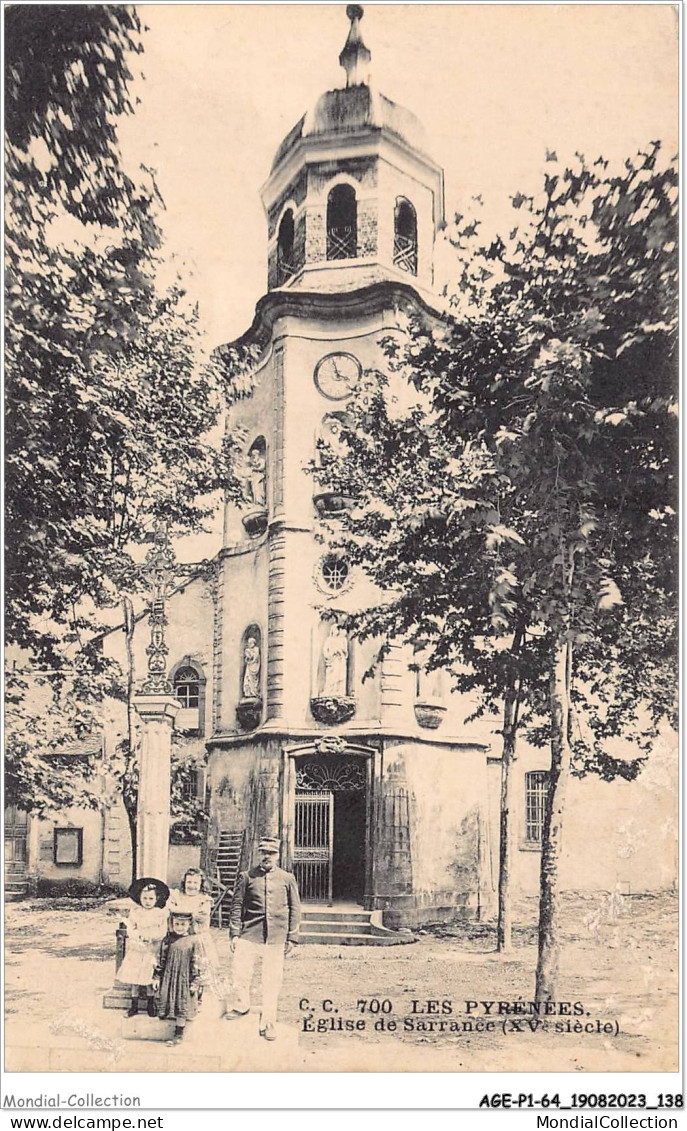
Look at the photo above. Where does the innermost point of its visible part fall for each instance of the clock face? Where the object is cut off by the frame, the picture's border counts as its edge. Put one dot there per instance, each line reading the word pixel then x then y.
pixel 336 374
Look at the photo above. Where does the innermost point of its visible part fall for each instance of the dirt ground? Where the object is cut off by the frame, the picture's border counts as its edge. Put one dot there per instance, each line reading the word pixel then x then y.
pixel 618 963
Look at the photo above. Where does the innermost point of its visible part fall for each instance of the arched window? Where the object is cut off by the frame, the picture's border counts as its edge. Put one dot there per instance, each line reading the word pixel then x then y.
pixel 188 682
pixel 405 236
pixel 285 259
pixel 187 688
pixel 342 223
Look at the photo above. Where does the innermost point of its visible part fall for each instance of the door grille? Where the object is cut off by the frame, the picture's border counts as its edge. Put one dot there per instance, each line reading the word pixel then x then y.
pixel 313 845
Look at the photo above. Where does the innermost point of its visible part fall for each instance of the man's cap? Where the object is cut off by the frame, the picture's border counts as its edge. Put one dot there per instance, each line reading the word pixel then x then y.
pixel 269 844
pixel 181 914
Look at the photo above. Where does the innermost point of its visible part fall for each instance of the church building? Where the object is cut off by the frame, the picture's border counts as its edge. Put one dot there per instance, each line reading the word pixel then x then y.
pixel 376 793
pixel 381 794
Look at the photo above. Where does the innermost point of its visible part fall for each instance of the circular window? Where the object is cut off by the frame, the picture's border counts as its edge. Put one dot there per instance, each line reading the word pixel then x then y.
pixel 334 571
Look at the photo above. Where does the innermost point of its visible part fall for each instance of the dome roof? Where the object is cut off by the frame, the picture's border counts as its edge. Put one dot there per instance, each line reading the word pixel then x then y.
pixel 356 107
pixel 350 110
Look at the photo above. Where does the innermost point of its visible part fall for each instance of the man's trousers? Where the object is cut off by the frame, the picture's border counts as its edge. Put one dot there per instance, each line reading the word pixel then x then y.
pixel 272 955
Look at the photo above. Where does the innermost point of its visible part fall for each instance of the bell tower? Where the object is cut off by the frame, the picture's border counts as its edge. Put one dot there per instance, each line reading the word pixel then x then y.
pixel 353 196
pixel 303 746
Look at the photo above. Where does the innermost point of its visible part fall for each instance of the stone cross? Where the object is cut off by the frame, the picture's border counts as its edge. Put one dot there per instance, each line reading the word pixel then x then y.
pixel 157 708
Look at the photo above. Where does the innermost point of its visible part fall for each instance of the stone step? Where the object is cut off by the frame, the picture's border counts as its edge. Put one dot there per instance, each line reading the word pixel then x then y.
pixel 357 939
pixel 335 927
pixel 330 914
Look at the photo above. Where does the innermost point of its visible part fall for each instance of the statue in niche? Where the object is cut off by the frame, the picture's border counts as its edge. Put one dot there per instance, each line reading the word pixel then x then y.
pixel 335 659
pixel 251 669
pixel 257 476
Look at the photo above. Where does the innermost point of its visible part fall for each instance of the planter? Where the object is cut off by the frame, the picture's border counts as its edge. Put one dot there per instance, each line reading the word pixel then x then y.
pixel 331 709
pixel 249 712
pixel 328 503
pixel 255 521
pixel 429 715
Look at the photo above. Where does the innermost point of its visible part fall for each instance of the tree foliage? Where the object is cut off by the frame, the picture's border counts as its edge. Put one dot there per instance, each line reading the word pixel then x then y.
pixel 521 516
pixel 67 76
pixel 114 411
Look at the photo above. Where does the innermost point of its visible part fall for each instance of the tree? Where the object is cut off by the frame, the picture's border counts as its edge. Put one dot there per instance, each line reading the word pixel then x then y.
pixel 114 410
pixel 66 84
pixel 521 518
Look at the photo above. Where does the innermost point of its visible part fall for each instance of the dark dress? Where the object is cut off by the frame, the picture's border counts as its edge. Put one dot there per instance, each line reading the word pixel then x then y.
pixel 180 968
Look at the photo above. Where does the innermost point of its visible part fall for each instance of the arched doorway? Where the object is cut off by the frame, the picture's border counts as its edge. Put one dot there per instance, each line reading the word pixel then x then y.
pixel 330 820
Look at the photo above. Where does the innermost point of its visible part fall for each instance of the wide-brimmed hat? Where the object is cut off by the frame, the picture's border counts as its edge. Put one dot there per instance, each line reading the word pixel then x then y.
pixel 269 844
pixel 161 889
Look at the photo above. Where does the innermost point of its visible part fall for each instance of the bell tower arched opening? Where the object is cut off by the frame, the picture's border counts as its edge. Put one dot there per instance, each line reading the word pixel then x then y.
pixel 405 236
pixel 342 223
pixel 285 248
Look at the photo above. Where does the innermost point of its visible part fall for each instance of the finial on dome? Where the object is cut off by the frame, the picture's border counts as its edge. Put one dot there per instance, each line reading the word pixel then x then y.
pixel 355 57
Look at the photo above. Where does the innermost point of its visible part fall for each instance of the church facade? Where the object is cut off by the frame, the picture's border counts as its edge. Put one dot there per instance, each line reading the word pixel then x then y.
pixel 302 747
pixel 381 794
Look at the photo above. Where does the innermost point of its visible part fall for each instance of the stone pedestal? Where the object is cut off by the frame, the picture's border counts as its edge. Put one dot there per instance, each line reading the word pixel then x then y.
pixel 158 713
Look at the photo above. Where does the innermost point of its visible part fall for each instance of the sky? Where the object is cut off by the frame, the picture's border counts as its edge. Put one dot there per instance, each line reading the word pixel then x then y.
pixel 494 85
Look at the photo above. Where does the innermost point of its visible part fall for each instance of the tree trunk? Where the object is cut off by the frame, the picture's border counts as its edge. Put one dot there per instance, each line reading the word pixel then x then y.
pixel 504 929
pixel 130 803
pixel 549 891
pixel 132 816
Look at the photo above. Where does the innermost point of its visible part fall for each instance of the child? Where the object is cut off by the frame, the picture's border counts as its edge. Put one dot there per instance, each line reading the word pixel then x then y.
pixel 146 928
pixel 179 974
pixel 192 899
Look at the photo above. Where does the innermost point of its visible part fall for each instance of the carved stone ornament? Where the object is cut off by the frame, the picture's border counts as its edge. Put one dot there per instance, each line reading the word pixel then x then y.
pixel 249 712
pixel 330 744
pixel 332 709
pixel 160 565
pixel 329 503
pixel 255 521
pixel 429 715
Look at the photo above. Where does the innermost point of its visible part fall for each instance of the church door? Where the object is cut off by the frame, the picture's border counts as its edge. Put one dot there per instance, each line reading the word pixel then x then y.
pixel 329 829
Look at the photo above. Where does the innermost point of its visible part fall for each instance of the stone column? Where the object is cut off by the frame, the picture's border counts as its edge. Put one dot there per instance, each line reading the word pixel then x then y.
pixel 158 713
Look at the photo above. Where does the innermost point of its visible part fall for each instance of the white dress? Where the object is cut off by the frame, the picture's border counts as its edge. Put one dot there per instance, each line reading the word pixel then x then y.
pixel 146 928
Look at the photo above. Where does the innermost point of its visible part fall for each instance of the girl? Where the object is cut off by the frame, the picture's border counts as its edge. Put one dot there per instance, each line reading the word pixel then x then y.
pixel 146 928
pixel 191 898
pixel 179 974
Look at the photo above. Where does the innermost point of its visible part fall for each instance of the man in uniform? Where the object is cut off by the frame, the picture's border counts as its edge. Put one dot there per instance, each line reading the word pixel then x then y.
pixel 263 923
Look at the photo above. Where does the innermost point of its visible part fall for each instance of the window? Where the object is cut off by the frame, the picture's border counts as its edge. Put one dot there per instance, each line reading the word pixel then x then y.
pixel 405 236
pixel 342 223
pixel 68 847
pixel 285 263
pixel 536 793
pixel 334 571
pixel 187 688
pixel 192 786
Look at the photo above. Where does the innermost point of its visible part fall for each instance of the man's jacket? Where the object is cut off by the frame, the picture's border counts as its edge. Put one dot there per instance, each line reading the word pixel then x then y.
pixel 265 906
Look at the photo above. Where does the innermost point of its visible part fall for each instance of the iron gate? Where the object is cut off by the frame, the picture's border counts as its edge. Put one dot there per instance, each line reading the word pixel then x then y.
pixel 313 845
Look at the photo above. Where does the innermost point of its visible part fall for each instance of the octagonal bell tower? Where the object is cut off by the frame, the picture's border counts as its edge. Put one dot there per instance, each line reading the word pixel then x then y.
pixel 352 774
pixel 353 196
